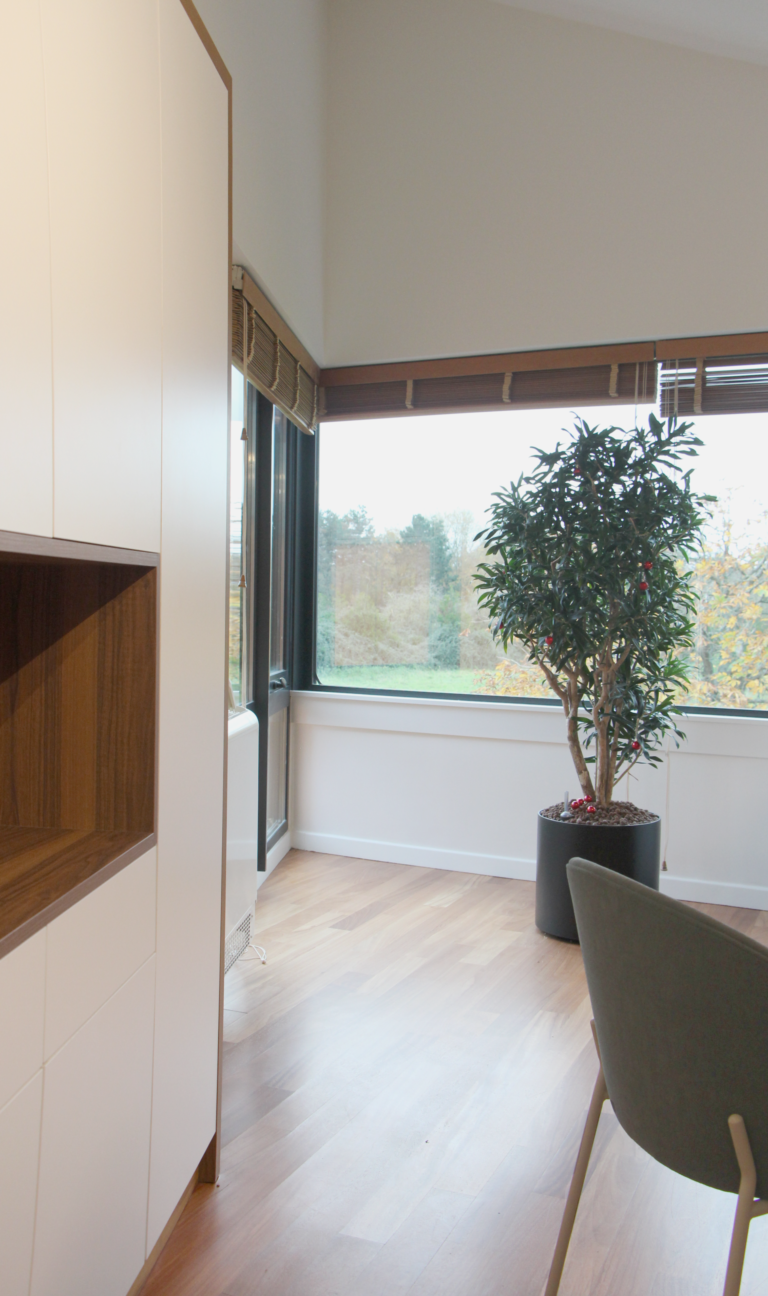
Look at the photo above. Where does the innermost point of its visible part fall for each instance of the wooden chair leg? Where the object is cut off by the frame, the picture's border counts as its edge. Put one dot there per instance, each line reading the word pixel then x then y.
pixel 599 1095
pixel 745 1208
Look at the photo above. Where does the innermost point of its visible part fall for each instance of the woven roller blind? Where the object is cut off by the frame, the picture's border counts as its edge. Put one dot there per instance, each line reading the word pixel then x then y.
pixel 714 385
pixel 271 366
pixel 603 384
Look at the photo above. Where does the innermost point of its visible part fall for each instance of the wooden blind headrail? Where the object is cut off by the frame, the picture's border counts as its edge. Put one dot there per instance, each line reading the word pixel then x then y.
pixel 624 373
pixel 271 354
pixel 713 374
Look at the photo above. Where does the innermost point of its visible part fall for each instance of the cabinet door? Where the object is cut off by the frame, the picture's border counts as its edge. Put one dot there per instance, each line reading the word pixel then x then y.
pixel 94 947
pixel 94 1152
pixel 102 88
pixel 193 609
pixel 26 421
pixel 19 1150
pixel 22 1015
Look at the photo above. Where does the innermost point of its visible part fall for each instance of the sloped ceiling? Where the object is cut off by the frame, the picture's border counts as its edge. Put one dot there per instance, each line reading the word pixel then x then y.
pixel 736 28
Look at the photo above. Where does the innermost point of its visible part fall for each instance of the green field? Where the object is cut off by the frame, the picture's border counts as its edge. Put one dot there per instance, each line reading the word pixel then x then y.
pixel 416 679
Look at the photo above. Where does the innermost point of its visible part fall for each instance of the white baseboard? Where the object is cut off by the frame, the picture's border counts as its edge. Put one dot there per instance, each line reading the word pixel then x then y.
pixel 719 893
pixel 508 866
pixel 504 866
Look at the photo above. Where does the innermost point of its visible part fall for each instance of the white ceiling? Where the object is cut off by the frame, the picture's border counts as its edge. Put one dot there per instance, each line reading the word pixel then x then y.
pixel 737 28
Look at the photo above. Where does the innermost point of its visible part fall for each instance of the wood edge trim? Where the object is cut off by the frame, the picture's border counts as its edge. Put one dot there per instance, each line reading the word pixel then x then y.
pixel 53 547
pixel 271 316
pixel 722 344
pixel 431 410
pixel 558 358
pixel 154 1255
pixel 205 37
pixel 510 362
pixel 79 892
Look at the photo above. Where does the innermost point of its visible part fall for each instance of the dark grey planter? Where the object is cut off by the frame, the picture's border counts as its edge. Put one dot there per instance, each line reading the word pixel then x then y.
pixel 631 849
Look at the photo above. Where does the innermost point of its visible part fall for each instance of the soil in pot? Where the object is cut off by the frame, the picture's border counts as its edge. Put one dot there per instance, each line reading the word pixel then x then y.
pixel 620 836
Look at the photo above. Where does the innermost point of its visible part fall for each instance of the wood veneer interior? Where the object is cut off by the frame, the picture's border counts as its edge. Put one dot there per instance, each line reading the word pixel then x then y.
pixel 405 1085
pixel 77 725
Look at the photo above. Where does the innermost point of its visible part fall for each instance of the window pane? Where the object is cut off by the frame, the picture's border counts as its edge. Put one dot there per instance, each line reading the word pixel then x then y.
pixel 236 541
pixel 276 770
pixel 279 538
pixel 401 501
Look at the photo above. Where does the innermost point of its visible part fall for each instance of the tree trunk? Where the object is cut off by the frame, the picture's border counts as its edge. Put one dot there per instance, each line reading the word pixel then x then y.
pixel 577 755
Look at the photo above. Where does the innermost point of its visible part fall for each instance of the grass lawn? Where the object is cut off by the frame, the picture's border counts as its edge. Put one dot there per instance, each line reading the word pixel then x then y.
pixel 418 679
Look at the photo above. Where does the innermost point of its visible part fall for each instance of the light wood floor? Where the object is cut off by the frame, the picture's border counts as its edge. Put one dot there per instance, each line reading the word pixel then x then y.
pixel 405 1086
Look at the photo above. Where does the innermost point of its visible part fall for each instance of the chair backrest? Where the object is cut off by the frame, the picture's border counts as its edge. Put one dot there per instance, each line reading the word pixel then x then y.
pixel 680 1003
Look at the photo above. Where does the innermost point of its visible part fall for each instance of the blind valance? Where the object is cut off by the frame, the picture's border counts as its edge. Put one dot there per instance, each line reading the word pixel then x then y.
pixel 528 388
pixel 271 363
pixel 714 385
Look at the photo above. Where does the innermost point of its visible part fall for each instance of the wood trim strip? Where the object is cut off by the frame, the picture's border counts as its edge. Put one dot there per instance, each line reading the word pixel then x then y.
pixel 509 362
pixel 51 547
pixel 143 1276
pixel 558 358
pixel 260 303
pixel 205 37
pixel 723 344
pixel 79 892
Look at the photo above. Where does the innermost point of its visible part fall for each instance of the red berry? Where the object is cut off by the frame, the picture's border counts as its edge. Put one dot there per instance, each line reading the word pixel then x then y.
pixel 576 804
pixel 635 745
pixel 648 566
pixel 591 809
pixel 549 639
pixel 577 471
pixel 643 586
pixel 589 798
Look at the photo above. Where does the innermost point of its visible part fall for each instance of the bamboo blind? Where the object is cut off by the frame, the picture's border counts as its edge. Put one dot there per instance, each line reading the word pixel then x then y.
pixel 271 366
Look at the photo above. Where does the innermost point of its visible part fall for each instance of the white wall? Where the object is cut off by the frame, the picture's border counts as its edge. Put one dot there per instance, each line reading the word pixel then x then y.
pixel 499 180
pixel 276 52
pixel 458 785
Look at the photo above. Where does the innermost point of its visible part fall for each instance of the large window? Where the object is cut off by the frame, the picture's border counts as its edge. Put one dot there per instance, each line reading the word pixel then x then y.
pixel 401 501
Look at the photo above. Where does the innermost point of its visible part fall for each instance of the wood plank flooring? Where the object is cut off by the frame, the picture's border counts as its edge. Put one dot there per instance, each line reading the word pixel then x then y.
pixel 406 1082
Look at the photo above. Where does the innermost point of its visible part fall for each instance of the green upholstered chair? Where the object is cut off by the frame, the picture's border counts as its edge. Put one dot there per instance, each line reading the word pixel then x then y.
pixel 680 1006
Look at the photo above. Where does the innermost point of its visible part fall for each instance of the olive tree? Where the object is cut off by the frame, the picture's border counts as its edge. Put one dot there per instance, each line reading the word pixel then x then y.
pixel 591 575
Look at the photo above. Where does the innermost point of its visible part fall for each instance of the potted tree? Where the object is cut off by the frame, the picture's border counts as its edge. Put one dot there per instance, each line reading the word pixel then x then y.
pixel 590 575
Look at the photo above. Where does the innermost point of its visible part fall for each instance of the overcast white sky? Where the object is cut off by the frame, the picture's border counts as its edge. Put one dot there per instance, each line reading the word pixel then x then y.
pixel 443 463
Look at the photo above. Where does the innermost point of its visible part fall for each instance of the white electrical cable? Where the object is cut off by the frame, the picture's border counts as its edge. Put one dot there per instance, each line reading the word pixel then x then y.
pixel 261 954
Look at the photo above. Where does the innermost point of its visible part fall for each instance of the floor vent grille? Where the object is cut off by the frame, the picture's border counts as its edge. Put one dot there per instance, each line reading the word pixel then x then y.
pixel 237 942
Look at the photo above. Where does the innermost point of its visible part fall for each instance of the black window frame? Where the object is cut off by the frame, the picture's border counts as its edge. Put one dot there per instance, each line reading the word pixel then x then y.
pixel 315 686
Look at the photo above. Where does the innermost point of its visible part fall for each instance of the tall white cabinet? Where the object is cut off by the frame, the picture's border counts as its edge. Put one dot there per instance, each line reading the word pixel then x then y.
pixel 114 371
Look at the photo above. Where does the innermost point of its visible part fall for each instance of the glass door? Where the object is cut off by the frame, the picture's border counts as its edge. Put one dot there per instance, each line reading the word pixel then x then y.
pixel 271 450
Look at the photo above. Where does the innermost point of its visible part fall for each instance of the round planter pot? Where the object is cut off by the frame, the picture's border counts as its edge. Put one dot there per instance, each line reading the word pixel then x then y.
pixel 631 849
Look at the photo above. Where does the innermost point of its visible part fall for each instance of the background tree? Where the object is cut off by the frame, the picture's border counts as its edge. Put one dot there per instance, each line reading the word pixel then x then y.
pixel 592 577
pixel 730 655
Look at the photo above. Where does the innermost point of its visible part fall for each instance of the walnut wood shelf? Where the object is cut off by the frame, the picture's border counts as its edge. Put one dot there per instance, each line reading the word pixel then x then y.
pixel 44 871
pixel 78 702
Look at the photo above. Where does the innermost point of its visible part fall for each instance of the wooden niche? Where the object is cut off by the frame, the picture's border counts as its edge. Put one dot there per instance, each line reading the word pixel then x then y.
pixel 78 653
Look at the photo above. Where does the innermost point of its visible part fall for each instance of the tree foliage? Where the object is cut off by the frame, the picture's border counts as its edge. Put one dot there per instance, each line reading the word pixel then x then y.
pixel 592 577
pixel 729 665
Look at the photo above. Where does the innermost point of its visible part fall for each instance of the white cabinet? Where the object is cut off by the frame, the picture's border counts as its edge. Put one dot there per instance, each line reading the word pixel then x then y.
pixel 26 426
pixel 101 80
pixel 95 946
pixel 192 609
pixel 94 1153
pixel 19 1150
pixel 22 1010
